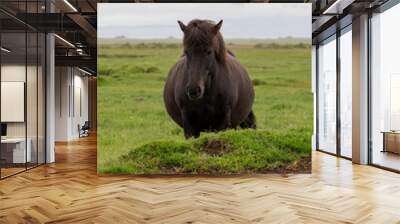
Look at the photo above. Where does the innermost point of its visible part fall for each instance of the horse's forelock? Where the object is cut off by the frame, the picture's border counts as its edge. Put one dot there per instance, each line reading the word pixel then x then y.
pixel 199 37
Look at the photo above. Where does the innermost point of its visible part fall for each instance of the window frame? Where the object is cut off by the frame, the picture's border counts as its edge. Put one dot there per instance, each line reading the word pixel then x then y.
pixel 333 37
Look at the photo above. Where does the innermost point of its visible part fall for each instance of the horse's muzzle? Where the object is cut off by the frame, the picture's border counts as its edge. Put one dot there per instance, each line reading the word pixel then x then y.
pixel 193 93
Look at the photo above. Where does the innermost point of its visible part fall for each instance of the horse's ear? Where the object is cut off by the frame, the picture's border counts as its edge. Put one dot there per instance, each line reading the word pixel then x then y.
pixel 182 25
pixel 217 27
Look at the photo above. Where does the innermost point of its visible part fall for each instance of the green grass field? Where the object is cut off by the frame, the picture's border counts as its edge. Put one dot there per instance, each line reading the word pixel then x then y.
pixel 136 136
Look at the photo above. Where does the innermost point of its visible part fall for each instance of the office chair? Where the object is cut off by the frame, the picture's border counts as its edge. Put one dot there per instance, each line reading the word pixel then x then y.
pixel 84 130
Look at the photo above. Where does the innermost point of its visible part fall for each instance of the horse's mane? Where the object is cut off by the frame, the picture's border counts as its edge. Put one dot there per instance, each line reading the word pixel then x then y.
pixel 199 34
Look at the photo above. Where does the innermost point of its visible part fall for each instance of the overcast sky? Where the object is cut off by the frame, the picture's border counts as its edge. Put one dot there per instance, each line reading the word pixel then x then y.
pixel 241 20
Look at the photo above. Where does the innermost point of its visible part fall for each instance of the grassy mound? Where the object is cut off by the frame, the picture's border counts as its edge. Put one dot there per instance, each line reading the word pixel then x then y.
pixel 230 152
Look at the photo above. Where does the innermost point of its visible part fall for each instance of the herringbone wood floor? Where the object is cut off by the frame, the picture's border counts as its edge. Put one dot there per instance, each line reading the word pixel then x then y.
pixel 70 191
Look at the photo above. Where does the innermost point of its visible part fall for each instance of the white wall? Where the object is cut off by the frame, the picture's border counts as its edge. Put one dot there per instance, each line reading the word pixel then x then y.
pixel 13 101
pixel 62 82
pixel 70 83
pixel 12 73
pixel 80 89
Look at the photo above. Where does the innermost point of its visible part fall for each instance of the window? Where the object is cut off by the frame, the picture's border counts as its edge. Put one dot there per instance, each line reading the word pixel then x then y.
pixel 346 93
pixel 15 150
pixel 385 89
pixel 22 78
pixel 327 95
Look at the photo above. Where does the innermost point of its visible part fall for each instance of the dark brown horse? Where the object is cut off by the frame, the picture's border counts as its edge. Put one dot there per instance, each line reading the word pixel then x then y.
pixel 208 89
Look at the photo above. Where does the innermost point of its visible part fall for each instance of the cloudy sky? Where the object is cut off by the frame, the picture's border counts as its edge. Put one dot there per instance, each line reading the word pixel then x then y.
pixel 241 20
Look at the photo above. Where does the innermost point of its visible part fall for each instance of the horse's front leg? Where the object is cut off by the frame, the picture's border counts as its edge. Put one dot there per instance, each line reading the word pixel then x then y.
pixel 226 120
pixel 188 125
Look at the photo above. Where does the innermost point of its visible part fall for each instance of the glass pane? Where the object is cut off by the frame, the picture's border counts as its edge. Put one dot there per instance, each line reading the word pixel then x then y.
pixel 346 94
pixel 327 96
pixel 31 88
pixel 41 98
pixel 14 153
pixel 386 89
pixel 32 95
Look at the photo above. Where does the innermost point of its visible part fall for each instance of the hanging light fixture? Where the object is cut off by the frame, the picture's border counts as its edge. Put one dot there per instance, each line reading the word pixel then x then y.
pixel 70 5
pixel 5 50
pixel 64 40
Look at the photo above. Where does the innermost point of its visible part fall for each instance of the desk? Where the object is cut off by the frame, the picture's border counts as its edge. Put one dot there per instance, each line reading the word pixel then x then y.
pixel 13 150
pixel 391 141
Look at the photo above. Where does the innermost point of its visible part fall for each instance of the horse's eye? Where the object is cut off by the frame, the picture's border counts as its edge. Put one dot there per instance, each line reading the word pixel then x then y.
pixel 209 52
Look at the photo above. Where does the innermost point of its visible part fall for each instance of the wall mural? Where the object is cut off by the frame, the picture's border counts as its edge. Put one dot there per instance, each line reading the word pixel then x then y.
pixel 204 89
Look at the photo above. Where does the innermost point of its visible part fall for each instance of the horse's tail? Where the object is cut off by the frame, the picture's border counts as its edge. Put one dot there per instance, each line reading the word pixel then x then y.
pixel 250 121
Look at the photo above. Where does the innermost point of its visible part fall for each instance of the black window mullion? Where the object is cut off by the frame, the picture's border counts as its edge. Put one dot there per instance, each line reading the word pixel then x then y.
pixel 369 90
pixel 26 87
pixel 37 90
pixel 317 96
pixel 338 77
pixel 45 94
